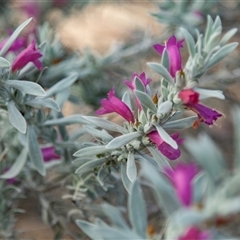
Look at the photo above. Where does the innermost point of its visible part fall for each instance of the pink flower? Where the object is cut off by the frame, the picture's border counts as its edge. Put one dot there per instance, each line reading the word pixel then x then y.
pixel 145 81
pixel 205 114
pixel 49 154
pixel 30 54
pixel 164 147
pixel 194 233
pixel 132 84
pixel 181 178
pixel 173 49
pixel 113 104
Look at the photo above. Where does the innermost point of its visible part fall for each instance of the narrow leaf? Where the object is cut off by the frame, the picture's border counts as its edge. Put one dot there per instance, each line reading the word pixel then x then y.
pixel 162 188
pixel 160 159
pixel 131 167
pixel 16 118
pixel 206 153
pixel 63 84
pixel 236 120
pixel 227 36
pixel 166 137
pixel 122 140
pixel 190 42
pixel 146 101
pixel 27 87
pixel 34 151
pixel 90 151
pixel 89 166
pixel 43 103
pixel 221 53
pixel 115 216
pixel 181 123
pixel 13 37
pixel 165 59
pixel 17 166
pixel 104 135
pixel 103 123
pixel 77 118
pixel 137 210
pixel 126 181
pixel 162 71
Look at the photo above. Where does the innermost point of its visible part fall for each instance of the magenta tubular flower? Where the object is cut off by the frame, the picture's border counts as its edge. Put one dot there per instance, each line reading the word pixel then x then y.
pixel 164 147
pixel 49 154
pixel 145 81
pixel 30 54
pixel 205 114
pixel 113 104
pixel 195 234
pixel 173 49
pixel 132 84
pixel 181 178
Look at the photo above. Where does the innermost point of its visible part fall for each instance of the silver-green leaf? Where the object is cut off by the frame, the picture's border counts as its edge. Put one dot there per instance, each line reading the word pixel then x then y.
pixel 122 140
pixel 17 166
pixel 162 71
pixel 34 151
pixel 16 118
pixel 13 37
pixel 27 87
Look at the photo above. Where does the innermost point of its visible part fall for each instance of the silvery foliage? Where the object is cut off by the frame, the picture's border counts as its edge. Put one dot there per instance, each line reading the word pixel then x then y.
pixel 216 192
pixel 24 102
pixel 94 71
pixel 215 207
pixel 128 148
pixel 186 14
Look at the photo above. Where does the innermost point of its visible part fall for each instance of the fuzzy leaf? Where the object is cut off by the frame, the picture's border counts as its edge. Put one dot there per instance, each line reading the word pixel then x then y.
pixel 181 123
pixel 236 120
pixel 146 101
pixel 126 181
pixel 90 151
pixel 220 54
pixel 104 135
pixel 43 103
pixel 207 155
pixel 131 167
pixel 115 216
pixel 63 84
pixel 16 118
pixel 137 210
pixel 227 36
pixel 122 140
pixel 162 71
pixel 17 166
pixel 103 123
pixel 14 36
pixel 160 159
pixel 165 59
pixel 34 151
pixel 30 88
pixel 166 137
pixel 162 188
pixel 77 118
pixel 89 166
pixel 190 42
